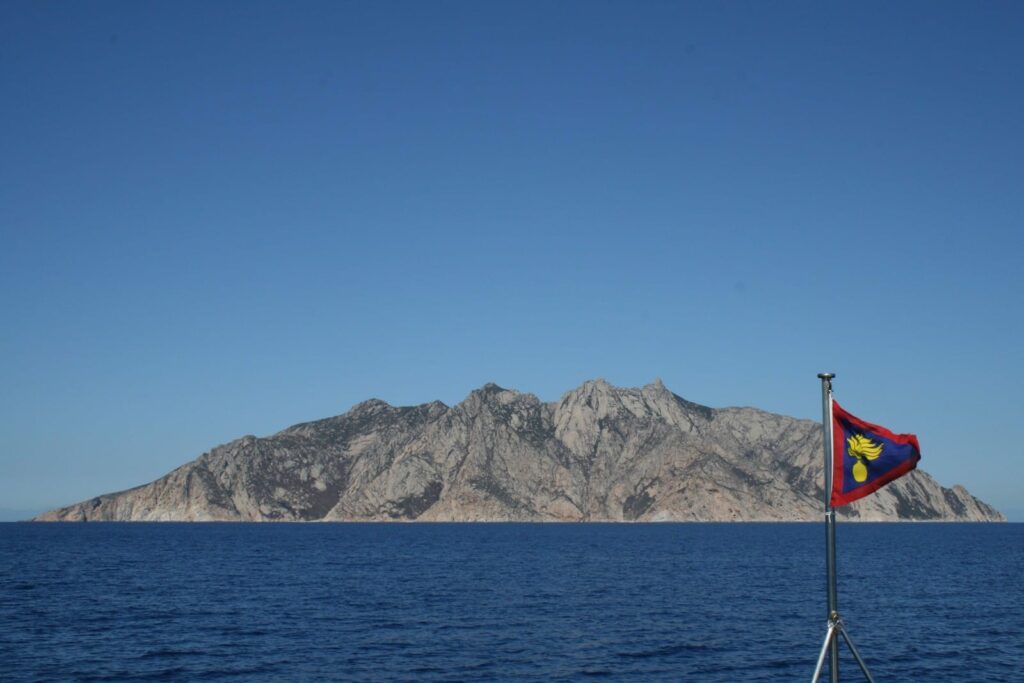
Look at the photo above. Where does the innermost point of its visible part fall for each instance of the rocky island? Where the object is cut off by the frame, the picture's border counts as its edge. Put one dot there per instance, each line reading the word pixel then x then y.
pixel 601 453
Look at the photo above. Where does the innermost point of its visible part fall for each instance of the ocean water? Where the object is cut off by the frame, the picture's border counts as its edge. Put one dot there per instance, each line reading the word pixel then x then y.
pixel 504 602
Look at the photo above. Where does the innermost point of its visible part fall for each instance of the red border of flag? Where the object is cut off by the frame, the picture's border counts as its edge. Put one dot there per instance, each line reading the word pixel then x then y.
pixel 838 497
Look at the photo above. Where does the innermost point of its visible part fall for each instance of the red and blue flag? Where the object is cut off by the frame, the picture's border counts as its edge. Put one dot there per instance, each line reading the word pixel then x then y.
pixel 866 457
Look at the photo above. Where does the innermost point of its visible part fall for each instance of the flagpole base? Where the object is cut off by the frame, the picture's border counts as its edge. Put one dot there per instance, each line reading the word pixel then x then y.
pixel 836 629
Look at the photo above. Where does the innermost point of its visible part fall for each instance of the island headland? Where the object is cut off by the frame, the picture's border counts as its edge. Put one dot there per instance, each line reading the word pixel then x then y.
pixel 600 453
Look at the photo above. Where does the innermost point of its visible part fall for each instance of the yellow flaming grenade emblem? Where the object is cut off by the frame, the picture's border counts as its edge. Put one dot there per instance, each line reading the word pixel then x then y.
pixel 862 448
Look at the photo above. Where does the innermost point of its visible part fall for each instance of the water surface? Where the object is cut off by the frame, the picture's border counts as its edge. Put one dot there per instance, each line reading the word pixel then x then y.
pixel 503 602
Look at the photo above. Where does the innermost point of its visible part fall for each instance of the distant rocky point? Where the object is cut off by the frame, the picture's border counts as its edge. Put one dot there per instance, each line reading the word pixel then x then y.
pixel 601 453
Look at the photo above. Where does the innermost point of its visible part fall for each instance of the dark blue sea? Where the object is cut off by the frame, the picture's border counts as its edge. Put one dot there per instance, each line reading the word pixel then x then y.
pixel 504 602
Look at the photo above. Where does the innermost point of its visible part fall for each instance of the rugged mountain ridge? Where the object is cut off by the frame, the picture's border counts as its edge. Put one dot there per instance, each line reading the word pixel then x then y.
pixel 600 453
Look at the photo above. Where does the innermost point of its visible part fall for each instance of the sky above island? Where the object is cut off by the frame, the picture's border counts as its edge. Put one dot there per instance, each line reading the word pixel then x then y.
pixel 224 218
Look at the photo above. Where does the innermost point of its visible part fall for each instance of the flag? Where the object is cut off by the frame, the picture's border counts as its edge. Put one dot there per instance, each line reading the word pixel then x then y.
pixel 866 457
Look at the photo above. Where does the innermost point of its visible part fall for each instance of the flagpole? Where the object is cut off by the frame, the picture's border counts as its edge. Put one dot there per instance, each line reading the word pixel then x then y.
pixel 830 526
pixel 835 624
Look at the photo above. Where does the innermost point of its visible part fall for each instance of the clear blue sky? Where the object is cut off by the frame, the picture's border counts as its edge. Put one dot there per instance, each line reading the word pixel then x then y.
pixel 223 218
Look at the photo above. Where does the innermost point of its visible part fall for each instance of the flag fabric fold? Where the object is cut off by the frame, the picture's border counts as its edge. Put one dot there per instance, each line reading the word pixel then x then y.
pixel 866 457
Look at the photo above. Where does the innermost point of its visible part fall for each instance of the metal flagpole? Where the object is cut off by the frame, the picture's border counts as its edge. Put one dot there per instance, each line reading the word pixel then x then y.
pixel 830 527
pixel 835 624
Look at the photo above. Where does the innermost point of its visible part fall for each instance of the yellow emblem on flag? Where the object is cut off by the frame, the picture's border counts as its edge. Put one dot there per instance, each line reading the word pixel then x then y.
pixel 862 448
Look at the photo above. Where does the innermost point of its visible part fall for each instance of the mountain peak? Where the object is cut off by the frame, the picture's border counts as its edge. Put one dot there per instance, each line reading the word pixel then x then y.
pixel 371 404
pixel 598 384
pixel 657 387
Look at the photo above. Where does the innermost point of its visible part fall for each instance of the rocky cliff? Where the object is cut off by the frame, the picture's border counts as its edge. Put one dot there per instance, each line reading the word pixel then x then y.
pixel 600 453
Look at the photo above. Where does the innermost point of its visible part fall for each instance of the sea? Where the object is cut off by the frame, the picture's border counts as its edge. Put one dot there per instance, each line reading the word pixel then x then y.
pixel 505 602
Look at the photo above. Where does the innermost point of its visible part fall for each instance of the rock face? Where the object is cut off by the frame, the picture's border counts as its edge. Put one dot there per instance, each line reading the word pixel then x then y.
pixel 601 453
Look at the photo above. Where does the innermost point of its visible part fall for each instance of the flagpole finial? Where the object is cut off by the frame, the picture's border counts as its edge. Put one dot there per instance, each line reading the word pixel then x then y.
pixel 826 375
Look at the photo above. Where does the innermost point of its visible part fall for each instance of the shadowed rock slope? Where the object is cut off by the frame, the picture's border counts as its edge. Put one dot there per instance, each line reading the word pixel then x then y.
pixel 601 453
